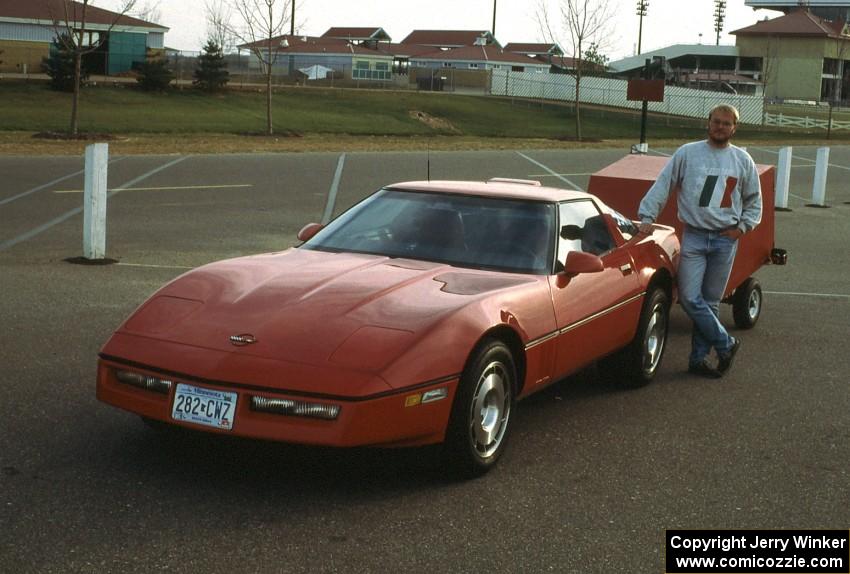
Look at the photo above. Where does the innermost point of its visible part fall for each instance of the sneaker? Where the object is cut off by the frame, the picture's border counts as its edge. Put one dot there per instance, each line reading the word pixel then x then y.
pixel 725 361
pixel 703 369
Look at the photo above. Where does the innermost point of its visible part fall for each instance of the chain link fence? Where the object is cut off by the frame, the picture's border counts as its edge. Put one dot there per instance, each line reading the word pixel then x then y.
pixel 612 92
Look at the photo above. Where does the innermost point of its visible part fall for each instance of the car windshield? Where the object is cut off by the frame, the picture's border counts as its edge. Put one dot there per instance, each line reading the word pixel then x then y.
pixel 462 230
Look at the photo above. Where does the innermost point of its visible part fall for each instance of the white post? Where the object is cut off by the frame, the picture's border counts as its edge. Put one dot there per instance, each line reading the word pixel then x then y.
pixel 783 177
pixel 94 201
pixel 819 188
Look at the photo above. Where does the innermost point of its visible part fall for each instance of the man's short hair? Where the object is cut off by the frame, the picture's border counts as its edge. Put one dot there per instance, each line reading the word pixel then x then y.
pixel 729 109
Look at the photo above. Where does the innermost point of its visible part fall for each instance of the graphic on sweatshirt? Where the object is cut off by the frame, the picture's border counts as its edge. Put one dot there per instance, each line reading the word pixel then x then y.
pixel 708 189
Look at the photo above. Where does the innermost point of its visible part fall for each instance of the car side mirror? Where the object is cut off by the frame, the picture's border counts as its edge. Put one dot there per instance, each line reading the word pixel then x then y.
pixel 309 231
pixel 580 262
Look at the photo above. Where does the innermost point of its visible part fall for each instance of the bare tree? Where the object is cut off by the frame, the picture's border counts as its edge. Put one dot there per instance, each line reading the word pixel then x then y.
pixel 149 12
pixel 585 23
pixel 263 22
pixel 840 54
pixel 219 14
pixel 769 61
pixel 70 29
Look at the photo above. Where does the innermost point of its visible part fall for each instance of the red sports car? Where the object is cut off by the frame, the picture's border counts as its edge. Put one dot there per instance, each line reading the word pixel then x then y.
pixel 418 316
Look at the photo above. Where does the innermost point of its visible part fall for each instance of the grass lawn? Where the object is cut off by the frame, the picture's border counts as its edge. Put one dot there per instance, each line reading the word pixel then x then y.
pixel 315 118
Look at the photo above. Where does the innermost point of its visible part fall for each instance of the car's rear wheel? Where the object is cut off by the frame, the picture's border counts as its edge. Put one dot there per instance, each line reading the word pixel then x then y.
pixel 746 304
pixel 482 410
pixel 637 364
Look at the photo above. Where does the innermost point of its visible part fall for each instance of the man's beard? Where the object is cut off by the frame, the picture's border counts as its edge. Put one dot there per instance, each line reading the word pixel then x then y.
pixel 722 140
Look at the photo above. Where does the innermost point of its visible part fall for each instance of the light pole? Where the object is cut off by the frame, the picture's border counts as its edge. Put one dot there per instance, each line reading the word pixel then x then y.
pixel 642 5
pixel 719 16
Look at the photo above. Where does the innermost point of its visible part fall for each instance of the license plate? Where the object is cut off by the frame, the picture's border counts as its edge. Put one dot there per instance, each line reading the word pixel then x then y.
pixel 204 406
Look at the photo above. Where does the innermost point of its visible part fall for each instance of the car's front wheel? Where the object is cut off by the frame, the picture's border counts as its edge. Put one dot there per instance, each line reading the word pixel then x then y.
pixel 482 410
pixel 637 364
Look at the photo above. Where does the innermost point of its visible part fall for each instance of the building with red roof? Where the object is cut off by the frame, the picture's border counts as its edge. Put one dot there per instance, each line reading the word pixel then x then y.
pixel 448 39
pixel 27 28
pixel 488 57
pixel 803 56
pixel 534 49
pixel 369 37
pixel 289 54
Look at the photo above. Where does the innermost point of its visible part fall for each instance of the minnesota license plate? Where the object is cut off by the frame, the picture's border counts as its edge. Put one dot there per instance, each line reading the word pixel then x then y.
pixel 204 406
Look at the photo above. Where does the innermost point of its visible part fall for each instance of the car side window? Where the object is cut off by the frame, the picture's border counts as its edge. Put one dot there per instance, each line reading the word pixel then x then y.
pixel 582 228
pixel 626 226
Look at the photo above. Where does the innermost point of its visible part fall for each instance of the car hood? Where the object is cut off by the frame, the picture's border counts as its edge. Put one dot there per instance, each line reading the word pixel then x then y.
pixel 310 306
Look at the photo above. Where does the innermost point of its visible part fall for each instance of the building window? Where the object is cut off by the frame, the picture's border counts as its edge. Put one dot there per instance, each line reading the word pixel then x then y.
pixel 89 38
pixel 517 68
pixel 749 64
pixel 401 65
pixel 473 66
pixel 362 71
pixel 830 67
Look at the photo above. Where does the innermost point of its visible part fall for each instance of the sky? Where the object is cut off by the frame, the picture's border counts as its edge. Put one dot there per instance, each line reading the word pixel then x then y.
pixel 667 21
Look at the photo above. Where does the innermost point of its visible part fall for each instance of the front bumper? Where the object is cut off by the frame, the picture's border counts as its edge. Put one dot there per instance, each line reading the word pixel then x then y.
pixel 393 418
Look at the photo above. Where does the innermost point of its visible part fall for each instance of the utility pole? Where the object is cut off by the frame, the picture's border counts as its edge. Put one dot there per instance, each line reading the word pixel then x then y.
pixel 719 16
pixel 642 5
pixel 292 20
pixel 494 19
pixel 645 106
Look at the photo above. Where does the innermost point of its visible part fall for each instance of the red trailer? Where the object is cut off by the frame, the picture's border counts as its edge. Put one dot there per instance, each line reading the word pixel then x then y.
pixel 623 184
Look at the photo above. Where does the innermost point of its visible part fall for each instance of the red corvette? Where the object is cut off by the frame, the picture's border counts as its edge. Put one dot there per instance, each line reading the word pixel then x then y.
pixel 418 316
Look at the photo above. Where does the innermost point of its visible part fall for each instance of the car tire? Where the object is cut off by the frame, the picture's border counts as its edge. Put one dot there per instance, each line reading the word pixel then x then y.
pixel 482 410
pixel 747 303
pixel 637 364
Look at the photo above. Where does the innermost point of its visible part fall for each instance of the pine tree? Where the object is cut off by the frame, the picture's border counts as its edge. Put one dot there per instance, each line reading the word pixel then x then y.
pixel 60 66
pixel 211 74
pixel 154 74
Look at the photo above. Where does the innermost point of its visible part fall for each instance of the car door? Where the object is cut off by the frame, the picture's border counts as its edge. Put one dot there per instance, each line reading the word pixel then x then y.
pixel 596 313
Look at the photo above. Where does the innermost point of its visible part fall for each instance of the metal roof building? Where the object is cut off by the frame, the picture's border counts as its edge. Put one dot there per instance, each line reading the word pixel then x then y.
pixel 829 9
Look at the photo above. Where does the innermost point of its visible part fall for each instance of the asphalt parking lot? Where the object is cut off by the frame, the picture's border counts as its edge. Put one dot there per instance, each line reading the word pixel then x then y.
pixel 592 477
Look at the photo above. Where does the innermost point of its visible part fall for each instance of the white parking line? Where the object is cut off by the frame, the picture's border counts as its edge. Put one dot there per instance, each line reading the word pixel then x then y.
pixel 551 172
pixel 794 294
pixel 813 162
pixel 168 188
pixel 50 183
pixel 329 206
pixel 76 211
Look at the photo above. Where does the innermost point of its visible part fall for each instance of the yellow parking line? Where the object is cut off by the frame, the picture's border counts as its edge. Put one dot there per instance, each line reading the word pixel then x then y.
pixel 154 266
pixel 556 174
pixel 170 188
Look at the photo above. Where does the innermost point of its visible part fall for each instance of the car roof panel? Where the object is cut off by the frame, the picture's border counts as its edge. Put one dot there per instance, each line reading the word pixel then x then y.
pixel 500 189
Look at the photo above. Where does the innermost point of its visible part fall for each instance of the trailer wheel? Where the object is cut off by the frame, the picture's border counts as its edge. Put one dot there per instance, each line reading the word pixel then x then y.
pixel 747 303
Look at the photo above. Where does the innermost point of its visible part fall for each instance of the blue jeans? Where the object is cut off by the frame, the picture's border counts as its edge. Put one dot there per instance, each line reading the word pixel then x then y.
pixel 704 268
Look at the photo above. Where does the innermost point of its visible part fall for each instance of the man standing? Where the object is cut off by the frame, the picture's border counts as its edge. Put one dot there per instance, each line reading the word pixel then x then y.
pixel 719 200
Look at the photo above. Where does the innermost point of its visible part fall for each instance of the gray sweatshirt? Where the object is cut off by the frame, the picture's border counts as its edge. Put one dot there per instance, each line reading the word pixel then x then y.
pixel 719 188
